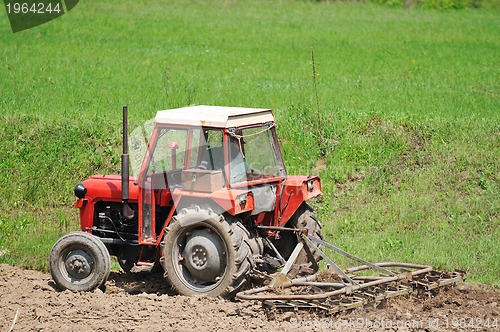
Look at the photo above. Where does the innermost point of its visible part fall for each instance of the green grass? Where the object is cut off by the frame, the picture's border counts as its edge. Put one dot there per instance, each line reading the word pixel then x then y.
pixel 406 120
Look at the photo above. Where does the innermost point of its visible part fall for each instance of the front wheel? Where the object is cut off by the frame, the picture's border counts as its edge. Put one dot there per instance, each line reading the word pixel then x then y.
pixel 206 255
pixel 79 262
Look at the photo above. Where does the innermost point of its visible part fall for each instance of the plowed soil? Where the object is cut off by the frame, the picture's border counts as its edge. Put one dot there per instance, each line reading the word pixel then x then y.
pixel 29 301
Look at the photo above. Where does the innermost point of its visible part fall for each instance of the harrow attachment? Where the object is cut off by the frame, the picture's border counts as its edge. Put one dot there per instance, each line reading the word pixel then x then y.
pixel 343 290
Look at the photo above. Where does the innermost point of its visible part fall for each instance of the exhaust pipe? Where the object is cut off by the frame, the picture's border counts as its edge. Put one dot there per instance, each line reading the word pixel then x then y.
pixel 127 211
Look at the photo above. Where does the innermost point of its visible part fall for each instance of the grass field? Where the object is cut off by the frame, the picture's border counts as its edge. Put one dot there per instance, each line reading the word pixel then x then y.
pixel 401 121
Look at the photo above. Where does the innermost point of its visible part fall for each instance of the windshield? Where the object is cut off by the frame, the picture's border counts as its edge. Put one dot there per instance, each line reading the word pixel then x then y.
pixel 253 154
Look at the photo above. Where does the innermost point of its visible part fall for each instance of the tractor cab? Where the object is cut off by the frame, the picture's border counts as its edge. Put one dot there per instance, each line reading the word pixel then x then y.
pixel 221 139
pixel 209 155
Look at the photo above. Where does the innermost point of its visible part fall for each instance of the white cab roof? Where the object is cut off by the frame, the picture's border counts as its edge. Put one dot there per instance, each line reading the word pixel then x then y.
pixel 214 116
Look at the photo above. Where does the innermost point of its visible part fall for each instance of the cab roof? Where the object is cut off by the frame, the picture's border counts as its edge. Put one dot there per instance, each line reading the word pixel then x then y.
pixel 214 116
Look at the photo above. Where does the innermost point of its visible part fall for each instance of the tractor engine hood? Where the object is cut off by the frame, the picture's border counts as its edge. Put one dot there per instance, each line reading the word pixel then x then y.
pixel 107 188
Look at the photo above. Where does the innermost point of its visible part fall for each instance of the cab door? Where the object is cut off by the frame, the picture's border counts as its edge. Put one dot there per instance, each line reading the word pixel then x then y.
pixel 161 172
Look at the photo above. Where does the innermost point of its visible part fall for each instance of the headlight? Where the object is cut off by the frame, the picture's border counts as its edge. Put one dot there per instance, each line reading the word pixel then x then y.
pixel 310 185
pixel 80 191
pixel 242 199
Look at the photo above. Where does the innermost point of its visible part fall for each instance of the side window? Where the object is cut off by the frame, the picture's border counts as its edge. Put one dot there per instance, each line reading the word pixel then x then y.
pixel 170 151
pixel 214 138
pixel 209 151
pixel 197 148
pixel 215 150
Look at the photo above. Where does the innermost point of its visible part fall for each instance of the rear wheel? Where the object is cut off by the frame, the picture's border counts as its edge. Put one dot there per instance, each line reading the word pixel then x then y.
pixel 206 255
pixel 79 262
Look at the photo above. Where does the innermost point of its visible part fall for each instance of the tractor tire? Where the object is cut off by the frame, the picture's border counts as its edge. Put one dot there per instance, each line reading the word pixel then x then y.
pixel 204 254
pixel 79 262
pixel 128 257
pixel 126 264
pixel 304 217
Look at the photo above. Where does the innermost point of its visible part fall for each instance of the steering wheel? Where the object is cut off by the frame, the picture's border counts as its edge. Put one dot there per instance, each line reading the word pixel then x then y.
pixel 175 177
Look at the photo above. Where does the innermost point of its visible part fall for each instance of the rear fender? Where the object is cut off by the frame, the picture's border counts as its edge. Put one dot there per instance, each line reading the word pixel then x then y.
pixel 232 201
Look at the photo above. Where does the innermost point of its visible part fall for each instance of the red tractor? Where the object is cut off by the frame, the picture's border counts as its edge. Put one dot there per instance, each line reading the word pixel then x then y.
pixel 212 205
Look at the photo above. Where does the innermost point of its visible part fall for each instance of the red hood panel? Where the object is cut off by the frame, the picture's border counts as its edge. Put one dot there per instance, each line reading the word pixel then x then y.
pixel 109 187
